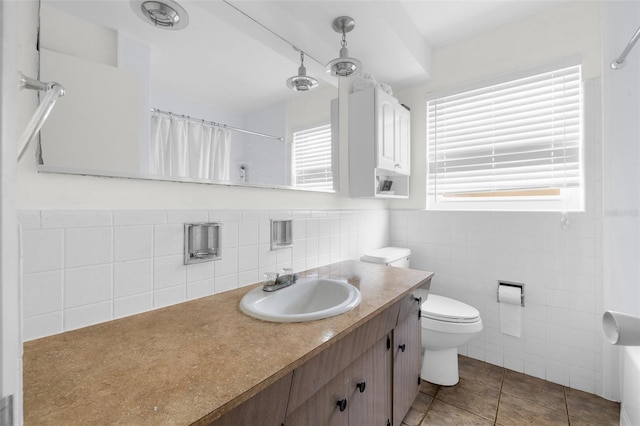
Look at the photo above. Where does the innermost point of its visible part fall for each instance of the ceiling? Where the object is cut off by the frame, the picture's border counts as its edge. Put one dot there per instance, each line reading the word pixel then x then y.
pixel 238 53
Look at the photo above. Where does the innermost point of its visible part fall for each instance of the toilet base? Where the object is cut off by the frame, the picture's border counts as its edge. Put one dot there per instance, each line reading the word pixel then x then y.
pixel 440 367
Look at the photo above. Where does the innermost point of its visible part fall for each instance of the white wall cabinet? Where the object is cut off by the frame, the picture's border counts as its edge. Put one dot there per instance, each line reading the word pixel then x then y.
pixel 379 145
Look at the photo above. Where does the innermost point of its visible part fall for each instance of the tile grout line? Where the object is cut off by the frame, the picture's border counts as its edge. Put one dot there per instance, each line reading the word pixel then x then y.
pixel 433 398
pixel 566 404
pixel 495 419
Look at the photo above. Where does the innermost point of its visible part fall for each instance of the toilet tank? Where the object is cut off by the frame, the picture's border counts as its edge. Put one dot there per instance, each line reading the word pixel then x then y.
pixel 392 256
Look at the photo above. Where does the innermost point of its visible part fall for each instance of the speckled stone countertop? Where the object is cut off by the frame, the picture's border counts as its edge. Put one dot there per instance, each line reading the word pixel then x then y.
pixel 189 362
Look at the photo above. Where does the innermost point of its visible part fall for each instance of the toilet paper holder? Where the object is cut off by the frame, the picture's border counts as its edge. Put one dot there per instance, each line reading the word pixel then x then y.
pixel 511 284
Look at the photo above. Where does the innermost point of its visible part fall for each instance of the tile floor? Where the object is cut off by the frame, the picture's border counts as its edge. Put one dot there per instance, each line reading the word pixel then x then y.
pixel 492 395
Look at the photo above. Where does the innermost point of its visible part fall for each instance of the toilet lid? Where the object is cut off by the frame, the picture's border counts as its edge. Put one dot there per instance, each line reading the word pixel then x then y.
pixel 385 255
pixel 444 309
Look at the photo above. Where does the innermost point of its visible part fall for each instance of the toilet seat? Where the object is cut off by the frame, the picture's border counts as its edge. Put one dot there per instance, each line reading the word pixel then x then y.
pixel 441 308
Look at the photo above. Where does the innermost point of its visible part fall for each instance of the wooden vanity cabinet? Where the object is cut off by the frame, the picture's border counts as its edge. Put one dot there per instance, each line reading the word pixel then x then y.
pixel 389 368
pixel 368 378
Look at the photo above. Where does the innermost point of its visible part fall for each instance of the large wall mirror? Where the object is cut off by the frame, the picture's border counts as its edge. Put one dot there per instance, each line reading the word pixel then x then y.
pixel 206 103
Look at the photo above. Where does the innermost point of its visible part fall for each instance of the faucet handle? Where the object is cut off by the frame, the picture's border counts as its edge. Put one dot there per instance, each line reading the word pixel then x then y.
pixel 270 277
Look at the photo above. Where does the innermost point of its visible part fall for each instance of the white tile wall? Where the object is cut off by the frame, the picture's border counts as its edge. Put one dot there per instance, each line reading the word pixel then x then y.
pixel 85 267
pixel 470 251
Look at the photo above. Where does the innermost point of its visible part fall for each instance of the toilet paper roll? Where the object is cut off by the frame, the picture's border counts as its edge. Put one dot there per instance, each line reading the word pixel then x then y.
pixel 510 310
pixel 621 329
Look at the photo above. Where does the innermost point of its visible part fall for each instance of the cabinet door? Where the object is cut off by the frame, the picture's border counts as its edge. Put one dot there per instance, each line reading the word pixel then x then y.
pixel 323 407
pixel 403 141
pixel 369 387
pixel 386 131
pixel 407 339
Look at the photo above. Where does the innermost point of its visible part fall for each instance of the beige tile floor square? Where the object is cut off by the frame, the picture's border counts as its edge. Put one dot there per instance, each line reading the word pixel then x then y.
pixel 491 395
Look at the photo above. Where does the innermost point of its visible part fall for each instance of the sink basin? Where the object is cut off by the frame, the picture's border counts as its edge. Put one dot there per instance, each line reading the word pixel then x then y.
pixel 306 300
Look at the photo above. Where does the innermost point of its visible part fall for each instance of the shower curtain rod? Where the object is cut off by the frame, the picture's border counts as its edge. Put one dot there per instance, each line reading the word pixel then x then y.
pixel 619 62
pixel 53 91
pixel 213 123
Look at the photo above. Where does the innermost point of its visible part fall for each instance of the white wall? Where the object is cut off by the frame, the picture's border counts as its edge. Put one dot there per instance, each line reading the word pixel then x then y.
pixel 559 33
pixel 268 158
pixel 622 198
pixel 10 321
pixel 560 264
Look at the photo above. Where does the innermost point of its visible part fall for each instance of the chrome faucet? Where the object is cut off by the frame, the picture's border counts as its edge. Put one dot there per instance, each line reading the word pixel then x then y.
pixel 275 281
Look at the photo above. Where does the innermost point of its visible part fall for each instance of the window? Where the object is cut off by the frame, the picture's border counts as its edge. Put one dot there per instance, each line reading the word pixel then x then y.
pixel 510 145
pixel 312 158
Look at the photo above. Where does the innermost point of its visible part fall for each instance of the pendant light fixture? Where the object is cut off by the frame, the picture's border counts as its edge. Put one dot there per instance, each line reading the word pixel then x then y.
pixel 302 82
pixel 343 66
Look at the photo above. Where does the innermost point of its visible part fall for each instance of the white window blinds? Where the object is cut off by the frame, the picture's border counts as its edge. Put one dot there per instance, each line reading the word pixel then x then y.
pixel 312 158
pixel 516 138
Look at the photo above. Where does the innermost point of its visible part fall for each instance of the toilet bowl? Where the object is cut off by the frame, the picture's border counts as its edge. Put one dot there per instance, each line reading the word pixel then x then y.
pixel 446 323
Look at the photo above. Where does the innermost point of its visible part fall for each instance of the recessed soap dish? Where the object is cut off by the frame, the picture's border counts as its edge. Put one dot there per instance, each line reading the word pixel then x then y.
pixel 281 234
pixel 201 242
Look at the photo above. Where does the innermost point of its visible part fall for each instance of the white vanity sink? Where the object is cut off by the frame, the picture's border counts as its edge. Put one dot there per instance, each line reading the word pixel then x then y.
pixel 307 300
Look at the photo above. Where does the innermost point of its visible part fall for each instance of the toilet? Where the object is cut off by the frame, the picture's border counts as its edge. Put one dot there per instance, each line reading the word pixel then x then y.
pixel 446 323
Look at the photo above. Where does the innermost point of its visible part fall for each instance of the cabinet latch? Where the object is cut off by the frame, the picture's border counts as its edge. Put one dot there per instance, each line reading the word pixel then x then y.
pixel 419 300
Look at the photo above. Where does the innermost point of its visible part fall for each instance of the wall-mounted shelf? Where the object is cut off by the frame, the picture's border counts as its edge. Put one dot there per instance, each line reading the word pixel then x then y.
pixel 201 242
pixel 281 234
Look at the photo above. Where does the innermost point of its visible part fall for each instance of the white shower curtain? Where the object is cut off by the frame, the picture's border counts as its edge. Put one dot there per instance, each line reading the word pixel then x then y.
pixel 188 148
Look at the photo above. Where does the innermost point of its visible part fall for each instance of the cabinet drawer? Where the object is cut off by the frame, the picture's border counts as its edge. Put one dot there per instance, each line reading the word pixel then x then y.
pixel 323 409
pixel 357 396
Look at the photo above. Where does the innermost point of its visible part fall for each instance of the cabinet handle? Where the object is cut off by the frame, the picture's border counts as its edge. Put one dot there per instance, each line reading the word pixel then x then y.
pixel 419 300
pixel 361 386
pixel 402 347
pixel 342 404
pixel 397 165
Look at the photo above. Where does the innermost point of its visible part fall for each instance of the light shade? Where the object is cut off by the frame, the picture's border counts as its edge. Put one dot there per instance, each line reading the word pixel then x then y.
pixel 343 66
pixel 302 82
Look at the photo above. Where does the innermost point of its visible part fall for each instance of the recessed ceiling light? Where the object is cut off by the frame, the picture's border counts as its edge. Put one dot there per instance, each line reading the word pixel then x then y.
pixel 165 14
